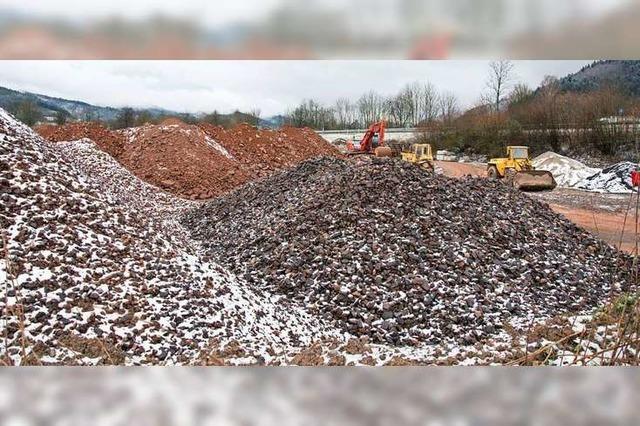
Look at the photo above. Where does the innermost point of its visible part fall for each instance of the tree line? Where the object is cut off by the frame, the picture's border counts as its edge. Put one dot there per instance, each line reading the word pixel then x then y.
pixel 416 104
pixel 28 112
pixel 599 122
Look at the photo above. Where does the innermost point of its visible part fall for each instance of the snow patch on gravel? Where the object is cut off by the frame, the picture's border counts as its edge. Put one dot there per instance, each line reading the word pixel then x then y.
pixel 615 179
pixel 566 171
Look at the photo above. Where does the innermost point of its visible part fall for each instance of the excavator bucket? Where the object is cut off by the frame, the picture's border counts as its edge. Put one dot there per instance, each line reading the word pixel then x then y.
pixel 534 180
pixel 383 151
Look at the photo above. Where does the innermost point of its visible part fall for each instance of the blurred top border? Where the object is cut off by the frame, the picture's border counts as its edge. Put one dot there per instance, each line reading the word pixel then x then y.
pixel 314 29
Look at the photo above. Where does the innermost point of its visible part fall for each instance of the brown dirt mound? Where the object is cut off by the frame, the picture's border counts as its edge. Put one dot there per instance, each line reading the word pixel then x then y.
pixel 179 158
pixel 198 162
pixel 109 141
pixel 265 151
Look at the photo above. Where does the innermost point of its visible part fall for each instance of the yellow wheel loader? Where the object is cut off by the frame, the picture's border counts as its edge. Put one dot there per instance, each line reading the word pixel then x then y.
pixel 518 170
pixel 419 154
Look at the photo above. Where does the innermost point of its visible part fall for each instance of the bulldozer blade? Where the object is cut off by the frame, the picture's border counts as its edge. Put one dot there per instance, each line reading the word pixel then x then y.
pixel 534 180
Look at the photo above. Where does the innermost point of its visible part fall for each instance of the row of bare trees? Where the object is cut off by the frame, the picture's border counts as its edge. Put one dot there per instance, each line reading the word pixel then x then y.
pixel 415 105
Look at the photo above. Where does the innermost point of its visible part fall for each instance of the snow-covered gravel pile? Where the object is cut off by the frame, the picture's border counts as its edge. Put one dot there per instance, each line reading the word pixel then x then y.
pixel 615 178
pixel 566 171
pixel 94 276
pixel 404 257
pixel 102 171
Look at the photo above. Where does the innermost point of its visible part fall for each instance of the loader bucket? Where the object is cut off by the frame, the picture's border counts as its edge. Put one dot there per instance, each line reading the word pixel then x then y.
pixel 534 180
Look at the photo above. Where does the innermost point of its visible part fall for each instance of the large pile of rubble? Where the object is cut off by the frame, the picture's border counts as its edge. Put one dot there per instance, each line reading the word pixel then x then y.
pixel 91 273
pixel 384 250
pixel 197 162
pixel 615 178
pixel 182 159
pixel 108 141
pixel 262 152
pixel 566 171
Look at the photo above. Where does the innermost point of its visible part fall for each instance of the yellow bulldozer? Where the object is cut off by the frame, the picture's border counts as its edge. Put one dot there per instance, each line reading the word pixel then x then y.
pixel 518 170
pixel 420 154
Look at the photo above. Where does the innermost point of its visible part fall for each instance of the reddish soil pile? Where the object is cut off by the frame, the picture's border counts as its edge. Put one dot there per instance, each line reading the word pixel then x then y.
pixel 198 162
pixel 179 158
pixel 265 151
pixel 108 141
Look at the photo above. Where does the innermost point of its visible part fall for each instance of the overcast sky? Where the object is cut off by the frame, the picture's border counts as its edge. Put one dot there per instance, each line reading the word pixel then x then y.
pixel 271 86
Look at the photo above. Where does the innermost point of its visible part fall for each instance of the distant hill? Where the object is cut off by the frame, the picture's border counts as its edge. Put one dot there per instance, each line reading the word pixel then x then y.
pixel 49 106
pixel 624 74
pixel 77 110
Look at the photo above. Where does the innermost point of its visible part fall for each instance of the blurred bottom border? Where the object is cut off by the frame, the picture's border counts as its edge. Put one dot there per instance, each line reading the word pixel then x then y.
pixel 393 395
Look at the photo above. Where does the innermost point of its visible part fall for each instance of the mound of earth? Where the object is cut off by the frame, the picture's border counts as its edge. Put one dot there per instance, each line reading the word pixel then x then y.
pixel 198 162
pixel 566 171
pixel 261 152
pixel 182 159
pixel 93 274
pixel 615 178
pixel 108 141
pixel 387 251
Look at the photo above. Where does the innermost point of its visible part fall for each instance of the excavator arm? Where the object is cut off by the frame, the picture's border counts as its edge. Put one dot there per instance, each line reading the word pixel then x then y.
pixel 367 140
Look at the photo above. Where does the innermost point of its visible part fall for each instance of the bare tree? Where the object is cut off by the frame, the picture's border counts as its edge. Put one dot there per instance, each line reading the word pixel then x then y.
pixel 311 114
pixel 520 94
pixel 498 82
pixel 398 110
pixel 255 115
pixel 126 118
pixel 428 102
pixel 344 113
pixel 448 107
pixel 410 96
pixel 370 107
pixel 27 111
pixel 61 118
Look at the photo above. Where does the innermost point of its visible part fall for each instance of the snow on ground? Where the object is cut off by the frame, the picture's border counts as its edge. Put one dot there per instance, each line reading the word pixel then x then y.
pixel 566 171
pixel 93 267
pixel 215 145
pixel 615 178
pixel 104 273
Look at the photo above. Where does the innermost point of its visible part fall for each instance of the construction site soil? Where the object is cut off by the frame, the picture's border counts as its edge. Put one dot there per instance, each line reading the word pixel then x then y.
pixel 108 141
pixel 262 152
pixel 197 162
pixel 384 250
pixel 330 262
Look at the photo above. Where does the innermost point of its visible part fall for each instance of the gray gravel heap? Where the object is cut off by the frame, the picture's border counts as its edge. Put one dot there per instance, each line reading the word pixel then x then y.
pixel 90 265
pixel 383 249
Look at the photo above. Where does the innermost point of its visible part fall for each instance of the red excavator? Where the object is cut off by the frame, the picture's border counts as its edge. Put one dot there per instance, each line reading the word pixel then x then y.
pixel 371 143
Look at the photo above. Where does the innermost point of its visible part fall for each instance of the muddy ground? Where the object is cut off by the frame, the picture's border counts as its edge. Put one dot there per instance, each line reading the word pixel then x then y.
pixel 605 215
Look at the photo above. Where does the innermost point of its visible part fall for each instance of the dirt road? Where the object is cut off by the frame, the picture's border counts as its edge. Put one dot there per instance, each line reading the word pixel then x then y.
pixel 608 226
pixel 455 169
pixel 600 214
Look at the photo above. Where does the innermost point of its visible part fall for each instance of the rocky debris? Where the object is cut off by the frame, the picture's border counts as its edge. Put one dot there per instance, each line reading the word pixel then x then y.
pixel 566 171
pixel 383 249
pixel 108 141
pixel 615 178
pixel 88 266
pixel 102 171
pixel 262 152
pixel 181 158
